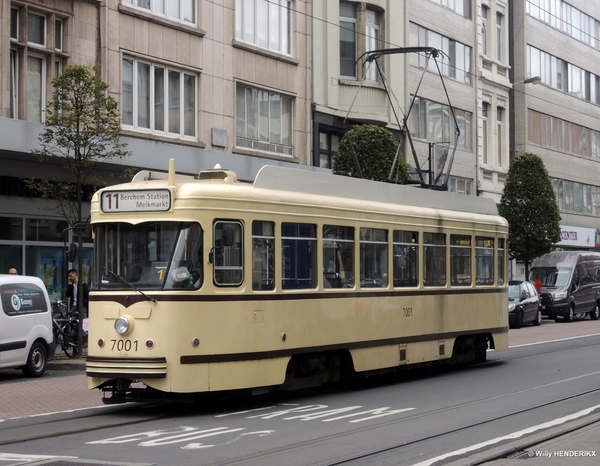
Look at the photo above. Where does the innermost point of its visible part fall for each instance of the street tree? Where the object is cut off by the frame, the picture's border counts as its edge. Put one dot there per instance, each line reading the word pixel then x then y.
pixel 375 148
pixel 82 130
pixel 529 205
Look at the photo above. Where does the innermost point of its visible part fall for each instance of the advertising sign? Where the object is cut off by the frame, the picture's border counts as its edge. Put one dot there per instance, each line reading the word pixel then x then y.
pixel 21 299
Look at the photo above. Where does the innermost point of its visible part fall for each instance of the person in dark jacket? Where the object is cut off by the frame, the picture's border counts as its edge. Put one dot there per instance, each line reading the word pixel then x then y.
pixel 73 292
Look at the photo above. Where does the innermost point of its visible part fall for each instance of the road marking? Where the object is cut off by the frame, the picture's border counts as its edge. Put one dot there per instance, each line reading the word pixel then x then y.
pixel 554 341
pixel 514 435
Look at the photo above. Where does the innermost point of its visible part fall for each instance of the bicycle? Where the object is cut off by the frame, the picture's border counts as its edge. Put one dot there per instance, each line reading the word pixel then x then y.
pixel 65 325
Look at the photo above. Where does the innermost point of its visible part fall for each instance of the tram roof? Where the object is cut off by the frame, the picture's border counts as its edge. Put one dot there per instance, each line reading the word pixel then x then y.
pixel 325 184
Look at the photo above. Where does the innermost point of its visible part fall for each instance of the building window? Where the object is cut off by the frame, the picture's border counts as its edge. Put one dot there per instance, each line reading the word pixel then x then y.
pixel 372 38
pixel 264 23
pixel 178 10
pixel 456 62
pixel 263 120
pixel 58 35
pixel 462 7
pixel 460 185
pixel 14 84
pixel 36 71
pixel 158 99
pixel 14 23
pixel 328 147
pixel 36 29
pixel 348 29
pixel 500 135
pixel 432 121
pixel 484 131
pixel 485 12
pixel 499 34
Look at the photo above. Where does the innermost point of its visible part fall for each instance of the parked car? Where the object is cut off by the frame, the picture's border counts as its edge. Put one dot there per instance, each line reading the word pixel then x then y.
pixel 523 304
pixel 26 338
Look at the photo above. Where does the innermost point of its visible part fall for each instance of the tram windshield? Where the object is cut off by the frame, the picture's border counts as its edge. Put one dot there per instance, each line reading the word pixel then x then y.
pixel 151 255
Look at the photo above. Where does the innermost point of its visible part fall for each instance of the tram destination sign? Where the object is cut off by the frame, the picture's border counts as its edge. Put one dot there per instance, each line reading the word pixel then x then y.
pixel 138 200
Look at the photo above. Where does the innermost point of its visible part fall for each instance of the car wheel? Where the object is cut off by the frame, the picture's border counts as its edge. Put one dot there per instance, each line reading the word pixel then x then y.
pixel 538 318
pixel 36 361
pixel 570 316
pixel 518 319
pixel 595 314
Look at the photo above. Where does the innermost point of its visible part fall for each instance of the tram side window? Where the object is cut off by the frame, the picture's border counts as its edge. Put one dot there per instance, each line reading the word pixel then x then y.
pixel 228 254
pixel 484 261
pixel 434 259
pixel 299 255
pixel 501 260
pixel 263 255
pixel 373 257
pixel 338 256
pixel 460 260
pixel 406 258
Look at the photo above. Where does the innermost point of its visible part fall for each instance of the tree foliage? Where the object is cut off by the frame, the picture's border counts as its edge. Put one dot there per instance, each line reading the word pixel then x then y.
pixel 82 130
pixel 375 149
pixel 529 205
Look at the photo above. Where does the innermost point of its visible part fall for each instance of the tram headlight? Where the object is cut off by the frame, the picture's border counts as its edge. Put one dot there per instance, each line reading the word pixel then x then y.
pixel 124 325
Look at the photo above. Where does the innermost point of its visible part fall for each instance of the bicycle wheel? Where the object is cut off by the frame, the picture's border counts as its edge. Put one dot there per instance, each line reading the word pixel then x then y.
pixel 69 340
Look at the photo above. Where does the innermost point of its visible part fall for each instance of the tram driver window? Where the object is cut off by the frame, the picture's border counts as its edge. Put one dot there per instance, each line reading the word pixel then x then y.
pixel 434 259
pixel 263 255
pixel 298 255
pixel 227 253
pixel 406 257
pixel 338 256
pixel 373 258
pixel 460 260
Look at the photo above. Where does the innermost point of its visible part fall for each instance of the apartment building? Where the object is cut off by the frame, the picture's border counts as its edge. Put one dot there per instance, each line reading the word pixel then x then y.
pixel 200 81
pixel 559 119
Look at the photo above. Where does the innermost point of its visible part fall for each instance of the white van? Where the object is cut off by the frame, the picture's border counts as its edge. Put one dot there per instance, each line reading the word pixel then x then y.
pixel 26 338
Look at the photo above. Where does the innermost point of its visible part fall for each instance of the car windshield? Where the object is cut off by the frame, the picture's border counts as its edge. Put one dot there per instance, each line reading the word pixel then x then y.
pixel 514 291
pixel 551 276
pixel 151 255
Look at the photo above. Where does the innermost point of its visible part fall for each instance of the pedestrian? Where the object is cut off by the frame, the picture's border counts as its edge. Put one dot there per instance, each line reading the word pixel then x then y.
pixel 73 292
pixel 12 271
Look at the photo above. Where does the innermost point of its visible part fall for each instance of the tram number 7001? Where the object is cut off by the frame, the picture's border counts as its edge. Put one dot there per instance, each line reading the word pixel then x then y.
pixel 407 311
pixel 124 345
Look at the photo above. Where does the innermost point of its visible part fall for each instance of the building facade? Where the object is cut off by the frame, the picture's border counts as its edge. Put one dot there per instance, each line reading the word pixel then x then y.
pixel 559 119
pixel 203 82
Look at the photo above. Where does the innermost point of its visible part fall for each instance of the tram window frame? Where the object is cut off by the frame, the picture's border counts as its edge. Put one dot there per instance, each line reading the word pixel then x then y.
pixel 338 256
pixel 298 256
pixel 434 259
pixel 461 260
pixel 228 260
pixel 263 255
pixel 373 257
pixel 484 260
pixel 405 245
pixel 501 260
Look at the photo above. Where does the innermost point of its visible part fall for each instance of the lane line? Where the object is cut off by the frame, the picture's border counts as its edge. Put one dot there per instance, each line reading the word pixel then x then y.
pixel 514 435
pixel 554 341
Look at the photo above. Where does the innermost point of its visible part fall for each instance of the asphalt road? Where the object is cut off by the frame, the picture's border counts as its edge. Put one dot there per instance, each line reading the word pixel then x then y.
pixel 549 374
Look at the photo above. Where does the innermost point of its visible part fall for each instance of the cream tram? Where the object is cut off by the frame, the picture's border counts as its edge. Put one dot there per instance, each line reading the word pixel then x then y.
pixel 207 283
